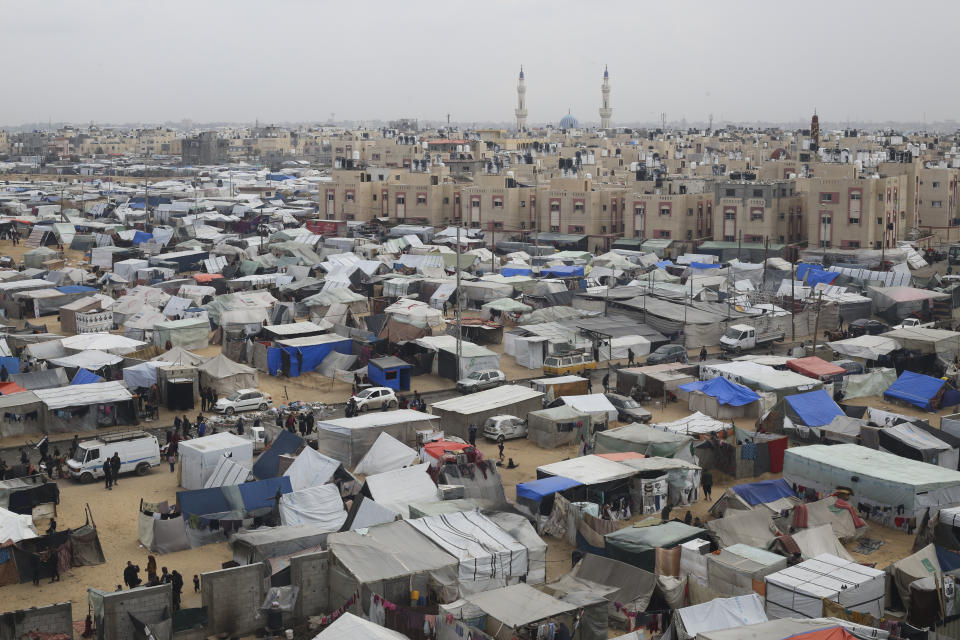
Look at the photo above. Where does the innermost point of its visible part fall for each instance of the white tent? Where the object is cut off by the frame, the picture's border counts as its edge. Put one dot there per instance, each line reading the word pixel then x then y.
pixel 356 628
pixel 798 591
pixel 396 489
pixel 386 454
pixel 107 342
pixel 720 613
pixel 694 424
pixel 86 359
pixel 180 356
pixel 601 410
pixel 200 456
pixel 16 527
pixel 227 473
pixel 319 505
pixel 865 347
pixel 226 376
pixel 142 375
pixel 311 469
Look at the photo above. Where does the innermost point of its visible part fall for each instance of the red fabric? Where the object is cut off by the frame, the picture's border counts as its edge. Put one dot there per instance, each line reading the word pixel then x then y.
pixel 814 367
pixel 6 388
pixel 777 448
pixel 800 516
pixel 206 277
pixel 623 455
pixel 437 447
pixel 857 520
pixel 830 633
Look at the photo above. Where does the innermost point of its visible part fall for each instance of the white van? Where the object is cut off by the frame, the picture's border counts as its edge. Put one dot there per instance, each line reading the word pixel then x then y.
pixel 138 452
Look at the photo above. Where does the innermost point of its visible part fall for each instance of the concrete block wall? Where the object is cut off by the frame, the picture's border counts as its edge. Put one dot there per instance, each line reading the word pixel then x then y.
pixel 54 618
pixel 148 604
pixel 311 572
pixel 233 598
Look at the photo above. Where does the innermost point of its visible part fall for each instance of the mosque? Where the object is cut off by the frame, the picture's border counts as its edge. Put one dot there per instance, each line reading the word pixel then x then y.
pixel 568 121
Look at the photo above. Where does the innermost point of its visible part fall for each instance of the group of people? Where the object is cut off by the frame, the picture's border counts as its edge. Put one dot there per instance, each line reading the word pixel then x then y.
pixel 294 422
pixel 208 398
pixel 132 579
pixel 111 471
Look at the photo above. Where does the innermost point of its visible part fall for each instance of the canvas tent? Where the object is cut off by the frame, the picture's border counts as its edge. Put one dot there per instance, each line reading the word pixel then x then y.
pixel 627 587
pixel 396 489
pixel 643 439
pixel 812 409
pixel 200 456
pixel 188 333
pixel 457 414
pixel 776 495
pixel 311 469
pixel 720 613
pixel 357 628
pixel 551 428
pixel 519 605
pixel 319 505
pixel 896 489
pixel 386 454
pixel 733 570
pixel 865 347
pixel 799 591
pixel 227 376
pixel 160 531
pixel 349 440
pixel 638 545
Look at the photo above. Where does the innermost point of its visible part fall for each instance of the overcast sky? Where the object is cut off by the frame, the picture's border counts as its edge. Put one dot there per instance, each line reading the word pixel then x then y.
pixel 303 60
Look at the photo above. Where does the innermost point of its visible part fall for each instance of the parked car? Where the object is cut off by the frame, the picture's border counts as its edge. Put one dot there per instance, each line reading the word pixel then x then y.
pixel 480 380
pixel 375 398
pixel 138 452
pixel 628 409
pixel 243 400
pixel 571 362
pixel 668 353
pixel 506 425
pixel 866 326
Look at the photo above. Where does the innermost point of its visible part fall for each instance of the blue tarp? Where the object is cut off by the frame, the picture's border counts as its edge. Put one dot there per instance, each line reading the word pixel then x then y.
pixel 755 493
pixel 516 271
pixel 663 264
pixel 268 464
pixel 726 392
pixel 803 268
pixel 203 501
pixel 949 560
pixel 75 288
pixel 141 236
pixel 821 277
pixel 85 377
pixel 915 388
pixel 259 495
pixel 305 358
pixel 815 408
pixel 537 490
pixel 12 364
pixel 562 271
pixel 704 265
pixel 279 176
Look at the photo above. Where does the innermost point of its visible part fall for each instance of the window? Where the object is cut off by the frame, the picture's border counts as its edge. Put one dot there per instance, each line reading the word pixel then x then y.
pixel 781 239
pixel 729 215
pixel 603 207
pixel 603 229
pixel 446 200
pixel 638 210
pixel 729 238
pixel 576 229
pixel 758 193
pixel 663 233
pixel 401 198
pixel 554 228
pixel 523 225
pixel 523 204
pixel 936 204
pixel 879 220
pixel 690 211
pixel 936 185
pixel 826 197
pixel 348 196
pixel 850 244
pixel 555 207
pixel 330 196
pixel 730 193
pixel 475 224
pixel 350 216
pixel 498 225
pixel 498 202
pixel 374 197
pixel 756 215
pixel 421 198
pixel 578 206
pixel 782 215
pixel 664 210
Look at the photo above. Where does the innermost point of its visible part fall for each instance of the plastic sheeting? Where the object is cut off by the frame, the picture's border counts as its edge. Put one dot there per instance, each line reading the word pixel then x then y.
pixel 871 383
pixel 386 454
pixel 726 392
pixel 765 491
pixel 814 409
pixel 311 469
pixel 722 613
pixel 142 375
pixel 396 489
pixel 319 505
pixel 918 389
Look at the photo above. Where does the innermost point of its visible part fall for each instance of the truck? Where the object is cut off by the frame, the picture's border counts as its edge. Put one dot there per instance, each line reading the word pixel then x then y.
pixel 914 323
pixel 139 451
pixel 743 337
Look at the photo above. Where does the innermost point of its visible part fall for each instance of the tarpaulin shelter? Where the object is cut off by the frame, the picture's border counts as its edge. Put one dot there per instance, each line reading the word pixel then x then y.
pixel 16 526
pixel 794 629
pixel 643 439
pixel 777 495
pixel 754 528
pixel 597 405
pixel 86 407
pixel 720 613
pixel 457 414
pixel 319 505
pixel 226 376
pixel 518 605
pixel 350 439
pixel 20 414
pixel 896 490
pixel 559 426
pixel 72 548
pixel 800 590
pixel 926 340
pixel 386 454
pixel 86 377
pixel 871 383
pixel 294 356
pixel 724 391
pixel 733 570
pixel 917 389
pixel 143 375
pixel 626 587
pixel 268 464
pixel 537 495
pixel 816 368
pixel 697 425
pixel 159 530
pixel 228 473
pixel 357 628
pixel 519 527
pixel 251 546
pixel 311 469
pixel 812 409
pixel 488 557
pixel 106 342
pixel 188 333
pixel 638 545
pixel 396 489
pixel 389 560
pixel 200 456
pixel 924 445
pixel 865 347
pixel 180 356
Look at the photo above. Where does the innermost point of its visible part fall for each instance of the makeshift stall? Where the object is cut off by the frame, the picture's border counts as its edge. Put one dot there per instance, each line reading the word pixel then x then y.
pixel 86 407
pixel 390 372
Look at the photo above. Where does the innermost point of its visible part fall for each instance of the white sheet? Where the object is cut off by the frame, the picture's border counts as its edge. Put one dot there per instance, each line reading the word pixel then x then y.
pixel 317 506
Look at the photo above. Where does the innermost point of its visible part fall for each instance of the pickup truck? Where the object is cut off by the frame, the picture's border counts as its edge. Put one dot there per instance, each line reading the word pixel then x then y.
pixel 743 337
pixel 914 323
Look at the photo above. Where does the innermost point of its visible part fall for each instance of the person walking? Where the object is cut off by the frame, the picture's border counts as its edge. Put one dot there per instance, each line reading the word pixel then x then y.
pixel 165 578
pixel 152 569
pixel 589 384
pixel 500 443
pixel 606 382
pixel 115 468
pixel 201 428
pixel 239 425
pixel 108 474
pixel 172 450
pixel 706 481
pixel 176 580
pixel 703 353
pixel 131 575
pixel 310 422
pixel 629 357
pixel 203 398
pixel 472 433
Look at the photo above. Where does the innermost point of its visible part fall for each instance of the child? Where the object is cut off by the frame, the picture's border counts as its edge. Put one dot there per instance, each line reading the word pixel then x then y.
pixel 196 583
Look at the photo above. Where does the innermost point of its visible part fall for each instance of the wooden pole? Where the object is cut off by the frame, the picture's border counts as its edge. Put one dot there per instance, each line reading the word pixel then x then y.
pixel 793 299
pixel 816 324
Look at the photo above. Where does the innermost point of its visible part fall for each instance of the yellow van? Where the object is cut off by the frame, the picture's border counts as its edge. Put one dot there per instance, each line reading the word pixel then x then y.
pixel 563 364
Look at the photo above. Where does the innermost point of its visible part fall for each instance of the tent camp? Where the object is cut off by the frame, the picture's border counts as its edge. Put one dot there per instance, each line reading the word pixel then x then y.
pixel 865 347
pixel 925 392
pixel 721 399
pixel 597 405
pixel 189 333
pixel 816 368
pixel 799 591
pixel 457 414
pixel 226 376
pixel 311 469
pixel 895 489
pixel 320 505
pixel 733 570
pixel 519 605
pixel 396 489
pixel 349 440
pixel 159 530
pixel 696 425
pixel 386 454
pixel 720 613
pixel 915 442
pixel 357 628
pixel 811 409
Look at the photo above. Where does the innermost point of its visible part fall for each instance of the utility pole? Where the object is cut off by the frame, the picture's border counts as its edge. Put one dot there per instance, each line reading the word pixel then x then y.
pixel 763 285
pixel 816 324
pixel 793 298
pixel 459 316
pixel 739 244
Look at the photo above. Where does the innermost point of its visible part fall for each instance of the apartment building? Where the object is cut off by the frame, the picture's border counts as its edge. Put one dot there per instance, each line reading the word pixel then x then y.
pixel 857 213
pixel 758 211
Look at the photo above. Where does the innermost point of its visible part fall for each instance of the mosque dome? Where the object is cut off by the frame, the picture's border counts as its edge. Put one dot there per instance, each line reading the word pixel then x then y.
pixel 569 122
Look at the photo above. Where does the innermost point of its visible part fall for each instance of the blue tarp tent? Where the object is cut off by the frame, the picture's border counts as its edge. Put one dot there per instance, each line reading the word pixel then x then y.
pixel 754 493
pixel 306 354
pixel 141 236
pixel 260 495
pixel 12 364
pixel 917 389
pixel 663 264
pixel 814 274
pixel 814 409
pixel 564 271
pixel 704 265
pixel 85 377
pixel 203 501
pixel 75 288
pixel 244 497
pixel 537 490
pixel 389 372
pixel 268 464
pixel 726 392
pixel 516 271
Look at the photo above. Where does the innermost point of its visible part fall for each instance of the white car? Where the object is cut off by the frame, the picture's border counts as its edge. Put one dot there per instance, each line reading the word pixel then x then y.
pixel 506 425
pixel 243 400
pixel 375 398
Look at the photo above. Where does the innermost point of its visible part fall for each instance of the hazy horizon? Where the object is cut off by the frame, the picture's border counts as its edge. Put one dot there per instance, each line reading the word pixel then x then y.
pixel 300 61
